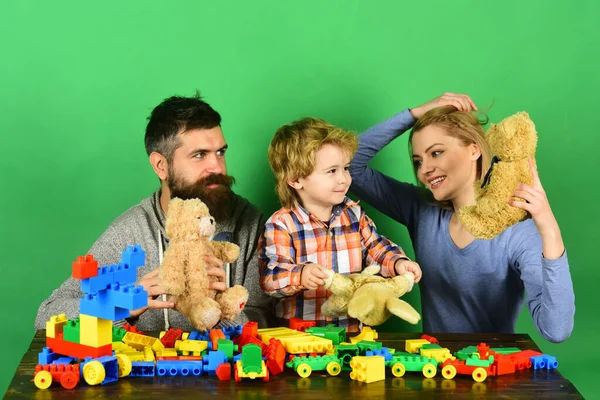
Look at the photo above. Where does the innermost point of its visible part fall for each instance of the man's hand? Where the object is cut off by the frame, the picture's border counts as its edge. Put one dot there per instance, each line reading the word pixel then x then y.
pixel 401 266
pixel 312 276
pixel 461 102
pixel 218 271
pixel 150 284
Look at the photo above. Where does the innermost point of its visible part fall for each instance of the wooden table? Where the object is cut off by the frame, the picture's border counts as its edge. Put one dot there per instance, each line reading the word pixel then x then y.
pixel 541 384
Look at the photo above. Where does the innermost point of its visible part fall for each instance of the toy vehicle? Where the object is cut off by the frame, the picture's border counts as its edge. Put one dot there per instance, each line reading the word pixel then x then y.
pixel 66 374
pixel 399 364
pixel 305 365
pixel 251 365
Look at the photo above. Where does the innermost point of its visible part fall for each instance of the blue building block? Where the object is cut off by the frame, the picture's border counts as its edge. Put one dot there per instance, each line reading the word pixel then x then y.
pixel 125 274
pixel 178 367
pixel 544 361
pixel 111 367
pixel 64 360
pixel 100 282
pixel 236 358
pixel 142 368
pixel 46 356
pixel 92 304
pixel 129 297
pixel 232 331
pixel 134 256
pixel 384 351
pixel 194 335
pixel 212 360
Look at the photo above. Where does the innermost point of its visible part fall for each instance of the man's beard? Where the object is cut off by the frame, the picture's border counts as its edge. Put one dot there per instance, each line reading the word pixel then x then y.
pixel 218 200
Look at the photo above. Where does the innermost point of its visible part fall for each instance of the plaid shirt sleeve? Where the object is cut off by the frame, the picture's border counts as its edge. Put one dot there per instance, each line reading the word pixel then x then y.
pixel 279 274
pixel 380 249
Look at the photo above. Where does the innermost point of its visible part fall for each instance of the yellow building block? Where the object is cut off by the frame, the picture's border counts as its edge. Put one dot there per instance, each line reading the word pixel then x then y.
pixel 149 354
pixel 55 325
pixel 440 355
pixel 368 369
pixel 138 341
pixel 296 342
pixel 121 347
pixel 413 345
pixel 191 347
pixel 367 334
pixel 94 331
pixel 168 352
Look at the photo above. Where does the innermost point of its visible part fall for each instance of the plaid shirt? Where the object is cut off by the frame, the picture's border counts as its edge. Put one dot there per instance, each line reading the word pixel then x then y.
pixel 294 238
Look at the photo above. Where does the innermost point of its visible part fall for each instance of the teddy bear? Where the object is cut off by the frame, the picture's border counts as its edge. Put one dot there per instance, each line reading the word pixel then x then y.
pixel 368 297
pixel 512 142
pixel 182 272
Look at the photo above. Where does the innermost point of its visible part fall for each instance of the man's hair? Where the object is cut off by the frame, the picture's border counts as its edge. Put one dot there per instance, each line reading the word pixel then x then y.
pixel 292 153
pixel 177 115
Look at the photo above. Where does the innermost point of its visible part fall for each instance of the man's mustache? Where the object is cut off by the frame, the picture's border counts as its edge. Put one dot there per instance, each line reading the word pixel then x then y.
pixel 216 179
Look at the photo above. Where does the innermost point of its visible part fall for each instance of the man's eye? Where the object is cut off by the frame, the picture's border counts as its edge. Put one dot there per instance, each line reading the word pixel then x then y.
pixel 199 155
pixel 221 153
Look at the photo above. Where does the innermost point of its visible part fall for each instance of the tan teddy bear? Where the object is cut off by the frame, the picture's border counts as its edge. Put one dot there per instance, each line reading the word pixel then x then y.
pixel 183 270
pixel 368 297
pixel 512 141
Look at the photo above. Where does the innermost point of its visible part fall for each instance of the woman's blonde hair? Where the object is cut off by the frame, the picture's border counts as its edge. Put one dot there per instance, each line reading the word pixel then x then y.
pixel 466 127
pixel 292 152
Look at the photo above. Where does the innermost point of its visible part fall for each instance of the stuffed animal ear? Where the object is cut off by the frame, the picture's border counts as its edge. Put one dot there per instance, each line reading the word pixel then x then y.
pixel 403 310
pixel 174 211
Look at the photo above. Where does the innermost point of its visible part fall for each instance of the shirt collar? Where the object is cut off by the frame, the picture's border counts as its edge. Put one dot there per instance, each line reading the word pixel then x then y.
pixel 304 215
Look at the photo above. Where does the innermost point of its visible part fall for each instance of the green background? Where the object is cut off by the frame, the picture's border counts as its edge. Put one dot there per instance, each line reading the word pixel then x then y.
pixel 78 79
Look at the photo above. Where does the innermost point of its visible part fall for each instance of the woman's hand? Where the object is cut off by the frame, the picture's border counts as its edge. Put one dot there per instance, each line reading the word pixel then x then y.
pixel 536 203
pixel 461 102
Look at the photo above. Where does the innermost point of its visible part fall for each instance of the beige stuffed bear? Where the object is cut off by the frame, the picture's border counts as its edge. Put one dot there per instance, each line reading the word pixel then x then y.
pixel 368 297
pixel 183 270
pixel 512 141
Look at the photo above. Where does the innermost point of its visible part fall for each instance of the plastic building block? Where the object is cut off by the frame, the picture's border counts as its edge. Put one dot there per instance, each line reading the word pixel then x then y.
pixel 334 333
pixel 368 369
pixel 117 334
pixel 411 362
pixel 92 304
pixel 478 362
pixel 64 360
pixel 169 354
pixel 227 347
pixel 191 347
pixel 169 337
pixel 522 359
pixel 134 256
pixel 142 368
pixel 129 297
pixel 224 372
pixel 104 277
pixel 365 346
pixel 544 362
pixel 138 341
pixel 345 352
pixel 367 334
pixel 178 368
pixel 46 356
pixel 301 325
pixel 212 360
pixel 305 365
pixel 232 331
pixel 430 339
pixel 215 335
pixel 384 352
pixel 440 354
pixel 413 345
pixel 66 374
pixel 95 332
pixel 100 370
pixel 55 325
pixel 77 350
pixel 250 328
pixel 275 354
pixel 84 267
pixel 245 339
pixel 134 329
pixel 251 364
pixel 502 365
pixel 296 342
pixel 124 274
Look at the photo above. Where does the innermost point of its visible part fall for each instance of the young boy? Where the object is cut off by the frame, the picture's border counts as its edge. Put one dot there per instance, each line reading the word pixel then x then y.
pixel 318 227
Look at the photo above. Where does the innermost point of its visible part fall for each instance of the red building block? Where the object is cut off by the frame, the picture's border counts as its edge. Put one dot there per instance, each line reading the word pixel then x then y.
pixel 133 329
pixel 61 346
pixel 250 328
pixel 275 354
pixel 299 324
pixel 84 267
pixel 224 372
pixel 430 339
pixel 170 336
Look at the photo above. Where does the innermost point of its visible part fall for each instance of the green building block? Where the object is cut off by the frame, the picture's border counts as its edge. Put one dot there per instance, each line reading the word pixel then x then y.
pixel 364 346
pixel 227 347
pixel 117 334
pixel 251 358
pixel 71 331
pixel 334 333
pixel 474 361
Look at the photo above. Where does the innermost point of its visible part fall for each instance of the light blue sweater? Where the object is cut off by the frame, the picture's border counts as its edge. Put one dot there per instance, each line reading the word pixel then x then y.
pixel 479 288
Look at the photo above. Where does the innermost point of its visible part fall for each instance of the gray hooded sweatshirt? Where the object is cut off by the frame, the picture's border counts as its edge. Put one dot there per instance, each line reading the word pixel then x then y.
pixel 144 224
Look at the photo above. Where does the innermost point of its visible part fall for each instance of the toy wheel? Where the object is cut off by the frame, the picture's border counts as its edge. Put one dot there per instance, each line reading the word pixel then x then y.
pixel 449 371
pixel 429 370
pixel 304 370
pixel 266 377
pixel 398 369
pixel 334 368
pixel 479 374
pixel 125 365
pixel 94 373
pixel 69 380
pixel 43 380
pixel 236 375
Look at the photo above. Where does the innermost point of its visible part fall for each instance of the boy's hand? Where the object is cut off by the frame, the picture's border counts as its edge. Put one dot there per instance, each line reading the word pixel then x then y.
pixel 401 266
pixel 312 276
